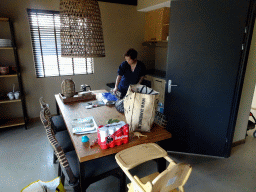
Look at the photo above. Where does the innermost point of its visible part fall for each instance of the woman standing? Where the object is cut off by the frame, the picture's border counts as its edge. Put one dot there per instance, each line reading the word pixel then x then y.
pixel 131 71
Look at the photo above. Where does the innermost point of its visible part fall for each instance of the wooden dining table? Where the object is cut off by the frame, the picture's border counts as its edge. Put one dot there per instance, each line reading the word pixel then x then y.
pixel 101 115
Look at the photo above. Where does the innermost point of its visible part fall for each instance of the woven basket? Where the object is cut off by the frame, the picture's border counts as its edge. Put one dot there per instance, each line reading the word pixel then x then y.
pixel 81 29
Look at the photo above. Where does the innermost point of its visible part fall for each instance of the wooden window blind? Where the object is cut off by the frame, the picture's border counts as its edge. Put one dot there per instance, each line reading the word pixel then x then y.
pixel 45 36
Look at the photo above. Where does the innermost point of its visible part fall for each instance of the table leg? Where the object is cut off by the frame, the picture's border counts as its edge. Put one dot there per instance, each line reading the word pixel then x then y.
pixel 83 186
pixel 123 187
pixel 161 164
pixel 57 108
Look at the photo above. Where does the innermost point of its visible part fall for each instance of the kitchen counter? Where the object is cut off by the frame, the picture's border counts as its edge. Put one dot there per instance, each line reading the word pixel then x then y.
pixel 157 73
pixel 152 72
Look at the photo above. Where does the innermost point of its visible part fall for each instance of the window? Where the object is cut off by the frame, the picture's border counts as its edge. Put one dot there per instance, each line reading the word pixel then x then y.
pixel 45 35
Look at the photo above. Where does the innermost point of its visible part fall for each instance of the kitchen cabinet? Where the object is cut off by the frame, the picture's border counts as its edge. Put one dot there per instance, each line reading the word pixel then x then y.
pixel 157 24
pixel 158 85
pixel 12 108
pixel 149 78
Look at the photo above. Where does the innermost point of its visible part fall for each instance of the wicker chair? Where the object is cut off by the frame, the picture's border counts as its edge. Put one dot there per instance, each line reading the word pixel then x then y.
pixel 175 176
pixel 57 149
pixel 94 170
pixel 57 121
pixel 62 137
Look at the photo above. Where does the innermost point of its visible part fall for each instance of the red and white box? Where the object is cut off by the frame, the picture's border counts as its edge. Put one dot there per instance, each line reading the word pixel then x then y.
pixel 113 134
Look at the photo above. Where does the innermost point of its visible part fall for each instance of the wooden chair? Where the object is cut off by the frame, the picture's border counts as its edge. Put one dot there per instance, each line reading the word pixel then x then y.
pixel 94 170
pixel 62 137
pixel 57 121
pixel 175 176
pixel 57 149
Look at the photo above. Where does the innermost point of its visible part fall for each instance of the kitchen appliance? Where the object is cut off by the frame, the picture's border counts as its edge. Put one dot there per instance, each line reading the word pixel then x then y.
pixel 84 87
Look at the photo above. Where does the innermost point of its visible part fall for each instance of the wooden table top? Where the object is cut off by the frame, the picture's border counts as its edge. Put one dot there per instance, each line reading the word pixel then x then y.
pixel 101 114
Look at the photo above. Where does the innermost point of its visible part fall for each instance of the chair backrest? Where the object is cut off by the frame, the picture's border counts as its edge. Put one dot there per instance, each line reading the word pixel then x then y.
pixel 173 177
pixel 47 113
pixel 57 148
pixel 45 106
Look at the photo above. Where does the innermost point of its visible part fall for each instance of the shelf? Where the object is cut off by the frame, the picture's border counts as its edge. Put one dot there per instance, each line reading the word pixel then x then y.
pixel 10 75
pixel 9 101
pixel 162 43
pixel 4 123
pixel 4 19
pixel 6 47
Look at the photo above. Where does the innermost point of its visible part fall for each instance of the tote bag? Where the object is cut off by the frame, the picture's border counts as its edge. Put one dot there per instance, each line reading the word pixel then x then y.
pixel 140 104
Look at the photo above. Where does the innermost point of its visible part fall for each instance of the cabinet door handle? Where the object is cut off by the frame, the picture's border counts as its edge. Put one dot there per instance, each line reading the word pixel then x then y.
pixel 158 81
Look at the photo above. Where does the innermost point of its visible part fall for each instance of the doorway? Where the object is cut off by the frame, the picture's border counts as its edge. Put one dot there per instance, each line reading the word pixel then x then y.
pixel 248 97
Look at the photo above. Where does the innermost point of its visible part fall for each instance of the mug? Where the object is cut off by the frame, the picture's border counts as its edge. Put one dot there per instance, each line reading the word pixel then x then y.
pixel 10 95
pixel 17 95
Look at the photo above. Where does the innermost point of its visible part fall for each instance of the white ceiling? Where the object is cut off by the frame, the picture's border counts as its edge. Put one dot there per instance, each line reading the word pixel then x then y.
pixel 160 5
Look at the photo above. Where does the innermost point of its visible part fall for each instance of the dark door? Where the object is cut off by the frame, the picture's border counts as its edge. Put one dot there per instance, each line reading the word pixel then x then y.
pixel 204 61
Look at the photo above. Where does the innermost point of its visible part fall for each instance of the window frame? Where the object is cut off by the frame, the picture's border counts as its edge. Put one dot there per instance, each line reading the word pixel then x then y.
pixel 39 64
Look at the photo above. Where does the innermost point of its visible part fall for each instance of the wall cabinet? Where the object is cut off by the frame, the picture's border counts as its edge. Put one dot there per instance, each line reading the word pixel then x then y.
pixel 12 108
pixel 157 24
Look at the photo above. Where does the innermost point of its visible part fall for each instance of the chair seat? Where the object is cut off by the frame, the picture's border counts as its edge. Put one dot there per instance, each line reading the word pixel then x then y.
pixel 64 140
pixel 58 123
pixel 92 168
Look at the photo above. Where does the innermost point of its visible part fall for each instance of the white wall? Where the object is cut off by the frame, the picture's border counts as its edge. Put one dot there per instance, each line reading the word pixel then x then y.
pixel 123 28
pixel 161 58
pixel 254 100
pixel 247 93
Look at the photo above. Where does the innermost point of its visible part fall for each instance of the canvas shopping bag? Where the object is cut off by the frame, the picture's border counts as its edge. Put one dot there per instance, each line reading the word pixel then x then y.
pixel 140 104
pixel 54 185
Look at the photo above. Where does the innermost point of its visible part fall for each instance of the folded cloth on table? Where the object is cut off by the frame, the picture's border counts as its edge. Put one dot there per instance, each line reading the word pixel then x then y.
pixel 108 97
pixel 84 125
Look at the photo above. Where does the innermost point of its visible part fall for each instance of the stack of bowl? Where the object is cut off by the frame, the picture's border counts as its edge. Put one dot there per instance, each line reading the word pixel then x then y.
pixel 4 70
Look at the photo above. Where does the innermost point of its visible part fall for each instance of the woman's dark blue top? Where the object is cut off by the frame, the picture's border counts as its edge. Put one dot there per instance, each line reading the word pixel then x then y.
pixel 129 77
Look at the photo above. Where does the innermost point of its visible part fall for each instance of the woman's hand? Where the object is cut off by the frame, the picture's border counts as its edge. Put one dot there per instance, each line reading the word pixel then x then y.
pixel 115 90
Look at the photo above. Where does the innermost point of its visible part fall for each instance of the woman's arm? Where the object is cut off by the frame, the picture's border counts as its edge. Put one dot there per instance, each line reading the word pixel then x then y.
pixel 141 79
pixel 118 78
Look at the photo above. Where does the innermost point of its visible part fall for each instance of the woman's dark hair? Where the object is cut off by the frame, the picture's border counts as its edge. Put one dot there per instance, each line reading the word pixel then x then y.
pixel 132 53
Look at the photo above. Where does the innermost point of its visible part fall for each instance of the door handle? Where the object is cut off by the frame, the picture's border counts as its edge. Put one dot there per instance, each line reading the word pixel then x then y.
pixel 170 86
